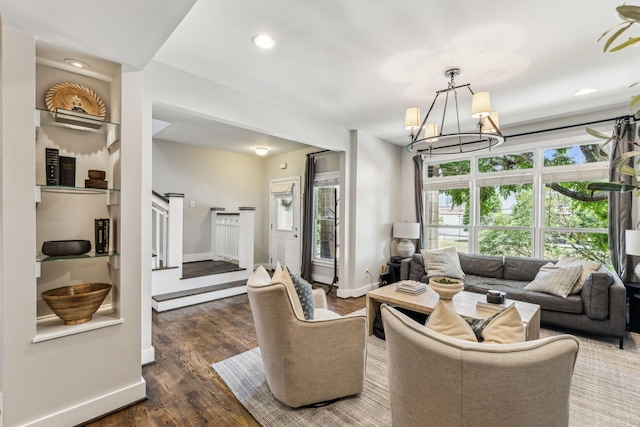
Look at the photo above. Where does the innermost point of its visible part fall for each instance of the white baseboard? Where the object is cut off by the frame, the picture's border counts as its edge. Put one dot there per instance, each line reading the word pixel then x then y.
pixel 94 408
pixel 355 293
pixel 148 355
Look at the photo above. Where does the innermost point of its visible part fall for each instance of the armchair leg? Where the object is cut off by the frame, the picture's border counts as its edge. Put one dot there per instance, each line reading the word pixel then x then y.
pixel 621 342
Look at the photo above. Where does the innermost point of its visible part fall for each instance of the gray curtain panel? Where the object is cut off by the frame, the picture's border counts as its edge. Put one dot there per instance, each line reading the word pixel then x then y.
pixel 308 227
pixel 418 168
pixel 620 203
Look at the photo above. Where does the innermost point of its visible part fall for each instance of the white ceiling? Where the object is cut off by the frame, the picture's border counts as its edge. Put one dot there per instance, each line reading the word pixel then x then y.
pixel 355 63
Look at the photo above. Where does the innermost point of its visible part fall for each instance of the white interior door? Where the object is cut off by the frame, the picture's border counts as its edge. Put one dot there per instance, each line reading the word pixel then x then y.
pixel 285 242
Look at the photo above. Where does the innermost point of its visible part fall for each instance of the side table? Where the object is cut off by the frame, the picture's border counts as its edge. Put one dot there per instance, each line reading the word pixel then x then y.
pixel 633 292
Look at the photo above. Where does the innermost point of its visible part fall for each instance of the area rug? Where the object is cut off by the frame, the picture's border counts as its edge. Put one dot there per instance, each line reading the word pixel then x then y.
pixel 605 390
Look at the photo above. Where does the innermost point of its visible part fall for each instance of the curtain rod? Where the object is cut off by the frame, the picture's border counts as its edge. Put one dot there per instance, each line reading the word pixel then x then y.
pixel 319 152
pixel 568 126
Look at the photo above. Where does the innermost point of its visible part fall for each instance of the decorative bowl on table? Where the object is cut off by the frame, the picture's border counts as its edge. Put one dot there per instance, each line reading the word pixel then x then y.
pixel 445 287
pixel 66 247
pixel 76 304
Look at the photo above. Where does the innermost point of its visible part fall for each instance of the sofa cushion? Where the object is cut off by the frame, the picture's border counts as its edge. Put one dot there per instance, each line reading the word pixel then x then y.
pixel 588 267
pixel 305 295
pixel 416 270
pixel 446 321
pixel 442 263
pixel 595 294
pixel 481 265
pixel 522 268
pixel 503 327
pixel 555 280
pixel 281 275
pixel 516 290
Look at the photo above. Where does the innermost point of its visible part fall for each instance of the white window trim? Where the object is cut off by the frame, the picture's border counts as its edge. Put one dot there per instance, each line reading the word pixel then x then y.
pixel 538 176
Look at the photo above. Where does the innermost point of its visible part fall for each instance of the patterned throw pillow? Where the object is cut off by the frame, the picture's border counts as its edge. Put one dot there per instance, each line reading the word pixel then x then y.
pixel 305 295
pixel 443 263
pixel 555 280
pixel 588 267
pixel 502 327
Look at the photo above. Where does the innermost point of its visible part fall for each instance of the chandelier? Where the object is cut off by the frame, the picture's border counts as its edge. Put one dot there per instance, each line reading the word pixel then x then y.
pixel 425 138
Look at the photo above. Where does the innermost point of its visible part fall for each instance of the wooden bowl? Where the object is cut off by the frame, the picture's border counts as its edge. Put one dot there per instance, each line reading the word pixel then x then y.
pixel 446 290
pixel 77 303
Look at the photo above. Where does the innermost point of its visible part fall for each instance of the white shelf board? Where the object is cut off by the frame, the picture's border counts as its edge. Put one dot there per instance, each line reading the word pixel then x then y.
pixel 52 327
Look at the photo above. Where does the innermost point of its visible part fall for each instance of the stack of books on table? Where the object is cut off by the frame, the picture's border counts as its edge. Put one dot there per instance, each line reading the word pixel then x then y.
pixel 411 287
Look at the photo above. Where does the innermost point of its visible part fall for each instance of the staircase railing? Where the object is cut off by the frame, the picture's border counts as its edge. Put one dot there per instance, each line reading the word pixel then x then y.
pixel 232 236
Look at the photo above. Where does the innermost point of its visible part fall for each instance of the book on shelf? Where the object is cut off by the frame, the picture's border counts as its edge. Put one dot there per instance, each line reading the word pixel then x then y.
pixel 67 171
pixel 102 235
pixel 52 166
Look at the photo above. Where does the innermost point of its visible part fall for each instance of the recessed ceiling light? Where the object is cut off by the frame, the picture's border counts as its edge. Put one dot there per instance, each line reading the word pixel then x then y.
pixel 262 151
pixel 264 41
pixel 77 63
pixel 586 91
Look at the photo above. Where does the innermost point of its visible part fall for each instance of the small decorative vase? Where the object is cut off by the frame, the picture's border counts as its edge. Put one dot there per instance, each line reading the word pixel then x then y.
pixel 445 287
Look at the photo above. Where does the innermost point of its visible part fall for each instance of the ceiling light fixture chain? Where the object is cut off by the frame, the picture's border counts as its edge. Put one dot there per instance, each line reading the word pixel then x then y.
pixel 425 137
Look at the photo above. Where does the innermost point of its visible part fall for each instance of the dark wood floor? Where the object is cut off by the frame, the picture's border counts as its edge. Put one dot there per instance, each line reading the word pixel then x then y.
pixel 182 388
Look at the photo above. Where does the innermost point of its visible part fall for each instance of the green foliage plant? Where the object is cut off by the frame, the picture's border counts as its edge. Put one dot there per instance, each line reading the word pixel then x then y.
pixel 623 165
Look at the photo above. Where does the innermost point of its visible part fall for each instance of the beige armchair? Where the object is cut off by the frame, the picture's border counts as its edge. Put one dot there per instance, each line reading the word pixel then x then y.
pixel 436 380
pixel 306 361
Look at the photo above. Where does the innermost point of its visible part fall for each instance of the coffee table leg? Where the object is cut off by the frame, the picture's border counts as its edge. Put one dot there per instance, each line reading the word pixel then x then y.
pixel 373 306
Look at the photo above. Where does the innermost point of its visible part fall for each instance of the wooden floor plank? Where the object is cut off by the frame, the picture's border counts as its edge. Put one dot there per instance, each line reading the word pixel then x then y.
pixel 182 388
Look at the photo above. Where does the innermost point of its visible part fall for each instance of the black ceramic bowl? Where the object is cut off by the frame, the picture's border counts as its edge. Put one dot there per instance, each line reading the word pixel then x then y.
pixel 66 247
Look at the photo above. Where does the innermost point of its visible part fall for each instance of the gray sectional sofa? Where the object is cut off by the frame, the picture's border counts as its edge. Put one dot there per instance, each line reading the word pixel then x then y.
pixel 600 307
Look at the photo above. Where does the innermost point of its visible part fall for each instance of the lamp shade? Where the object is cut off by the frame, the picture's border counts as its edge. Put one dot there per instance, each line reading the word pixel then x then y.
pixel 431 131
pixel 490 127
pixel 412 118
pixel 406 230
pixel 632 240
pixel 480 104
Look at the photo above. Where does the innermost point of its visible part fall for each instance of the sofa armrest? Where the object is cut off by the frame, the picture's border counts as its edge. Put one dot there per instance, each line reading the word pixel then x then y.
pixel 596 294
pixel 405 266
pixel 604 296
pixel 618 305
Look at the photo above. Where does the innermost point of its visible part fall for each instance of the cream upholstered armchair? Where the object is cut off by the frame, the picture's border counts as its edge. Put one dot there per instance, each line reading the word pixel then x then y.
pixel 306 361
pixel 436 380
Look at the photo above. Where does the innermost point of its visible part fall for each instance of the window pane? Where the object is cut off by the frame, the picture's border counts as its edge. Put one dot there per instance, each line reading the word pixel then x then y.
pixel 443 237
pixel 506 163
pixel 449 169
pixel 284 213
pixel 447 207
pixel 326 233
pixel 505 242
pixel 576 155
pixel 507 205
pixel 325 238
pixel 586 246
pixel 571 205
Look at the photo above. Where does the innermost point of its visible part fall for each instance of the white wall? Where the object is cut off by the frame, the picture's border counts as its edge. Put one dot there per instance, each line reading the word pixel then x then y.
pixel 211 178
pixel 369 168
pixel 67 380
pixel 374 204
